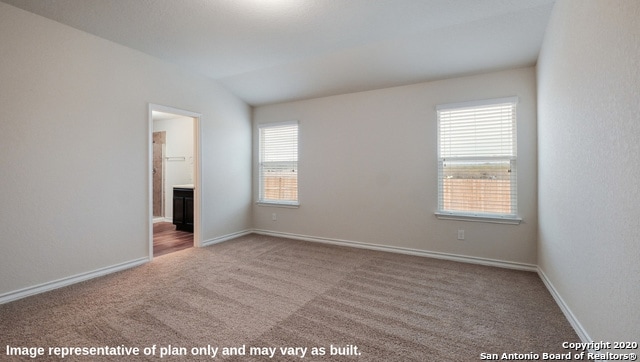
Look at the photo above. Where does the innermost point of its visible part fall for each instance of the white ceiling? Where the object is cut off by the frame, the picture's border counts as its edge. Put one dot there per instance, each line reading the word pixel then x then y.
pixel 268 51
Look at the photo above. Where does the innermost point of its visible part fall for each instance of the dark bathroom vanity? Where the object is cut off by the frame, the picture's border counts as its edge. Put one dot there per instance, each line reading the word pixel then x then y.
pixel 183 207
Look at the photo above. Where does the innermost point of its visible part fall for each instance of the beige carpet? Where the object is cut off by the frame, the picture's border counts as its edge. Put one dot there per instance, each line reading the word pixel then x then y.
pixel 260 291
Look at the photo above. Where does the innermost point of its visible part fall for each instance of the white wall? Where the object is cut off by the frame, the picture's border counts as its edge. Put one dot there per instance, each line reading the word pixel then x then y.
pixel 368 169
pixel 589 164
pixel 179 168
pixel 74 150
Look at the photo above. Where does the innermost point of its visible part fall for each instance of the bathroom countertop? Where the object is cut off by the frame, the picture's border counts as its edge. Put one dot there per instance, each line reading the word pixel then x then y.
pixel 186 186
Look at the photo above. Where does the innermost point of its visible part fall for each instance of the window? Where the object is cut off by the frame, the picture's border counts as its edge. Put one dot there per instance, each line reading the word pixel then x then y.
pixel 477 161
pixel 278 163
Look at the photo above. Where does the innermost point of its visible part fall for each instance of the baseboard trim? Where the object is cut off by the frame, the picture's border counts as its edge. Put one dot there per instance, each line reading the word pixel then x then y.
pixel 55 284
pixel 45 287
pixel 222 238
pixel 580 331
pixel 402 250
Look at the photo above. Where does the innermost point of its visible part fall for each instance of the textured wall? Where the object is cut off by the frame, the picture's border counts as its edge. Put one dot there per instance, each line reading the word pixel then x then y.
pixel 74 135
pixel 589 163
pixel 368 168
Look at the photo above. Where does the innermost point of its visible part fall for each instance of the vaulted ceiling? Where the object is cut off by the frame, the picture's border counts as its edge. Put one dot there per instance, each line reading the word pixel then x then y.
pixel 268 51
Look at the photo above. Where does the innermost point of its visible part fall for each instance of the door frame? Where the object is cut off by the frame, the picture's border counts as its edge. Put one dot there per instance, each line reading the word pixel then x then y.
pixel 197 164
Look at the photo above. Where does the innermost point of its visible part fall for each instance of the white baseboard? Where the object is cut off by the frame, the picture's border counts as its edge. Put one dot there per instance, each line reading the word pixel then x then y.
pixel 222 238
pixel 45 287
pixel 401 250
pixel 580 331
pixel 55 284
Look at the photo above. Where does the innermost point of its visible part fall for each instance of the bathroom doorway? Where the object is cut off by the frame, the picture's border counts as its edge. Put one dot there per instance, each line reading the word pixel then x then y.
pixel 174 192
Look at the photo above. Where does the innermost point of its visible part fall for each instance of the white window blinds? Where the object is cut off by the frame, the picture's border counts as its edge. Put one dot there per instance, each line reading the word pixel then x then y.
pixel 278 163
pixel 477 158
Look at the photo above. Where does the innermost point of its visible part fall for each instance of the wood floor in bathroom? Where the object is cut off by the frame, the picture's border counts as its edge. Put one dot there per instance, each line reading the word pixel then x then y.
pixel 166 239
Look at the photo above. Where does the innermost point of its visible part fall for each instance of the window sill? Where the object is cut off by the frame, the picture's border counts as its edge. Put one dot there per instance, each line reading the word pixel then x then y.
pixel 511 220
pixel 279 204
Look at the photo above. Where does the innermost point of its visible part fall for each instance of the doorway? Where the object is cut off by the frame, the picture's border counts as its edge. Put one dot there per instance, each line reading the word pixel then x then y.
pixel 174 154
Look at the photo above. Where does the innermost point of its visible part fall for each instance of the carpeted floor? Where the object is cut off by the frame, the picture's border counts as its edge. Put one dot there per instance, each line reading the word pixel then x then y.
pixel 265 292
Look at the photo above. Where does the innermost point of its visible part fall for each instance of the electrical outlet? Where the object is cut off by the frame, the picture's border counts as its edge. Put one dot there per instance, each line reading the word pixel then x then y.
pixel 274 217
pixel 460 234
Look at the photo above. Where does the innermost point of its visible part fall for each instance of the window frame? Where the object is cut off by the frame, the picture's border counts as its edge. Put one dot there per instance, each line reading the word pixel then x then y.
pixel 261 199
pixel 478 216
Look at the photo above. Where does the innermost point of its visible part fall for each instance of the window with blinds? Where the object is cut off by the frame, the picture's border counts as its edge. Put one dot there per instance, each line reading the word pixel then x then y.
pixel 477 159
pixel 278 163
